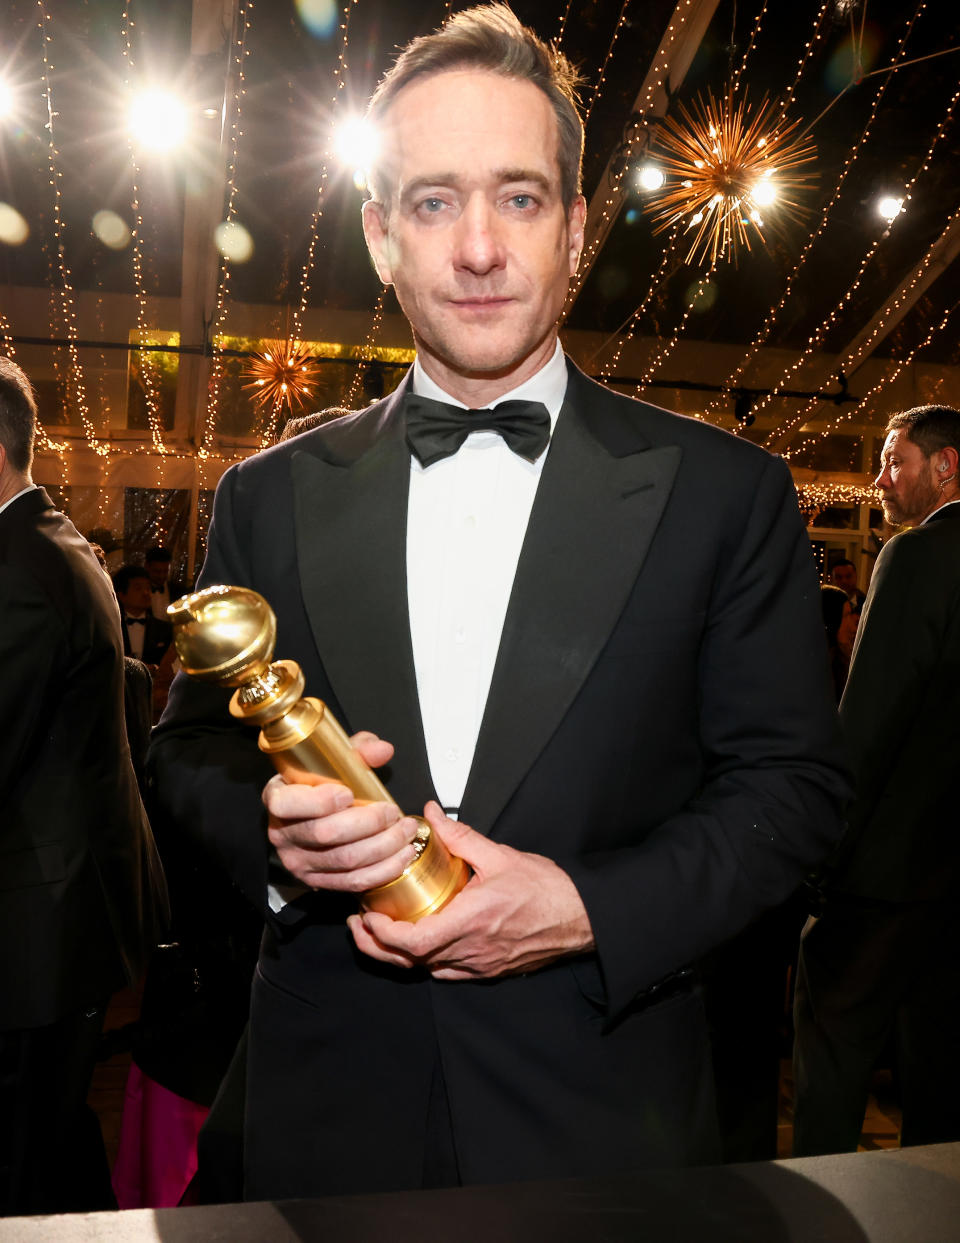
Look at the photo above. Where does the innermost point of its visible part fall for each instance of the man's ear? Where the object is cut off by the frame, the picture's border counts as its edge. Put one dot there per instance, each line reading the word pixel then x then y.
pixel 374 216
pixel 949 455
pixel 576 218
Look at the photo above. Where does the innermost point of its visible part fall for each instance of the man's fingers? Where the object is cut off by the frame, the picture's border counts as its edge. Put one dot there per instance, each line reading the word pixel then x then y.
pixel 375 751
pixel 368 944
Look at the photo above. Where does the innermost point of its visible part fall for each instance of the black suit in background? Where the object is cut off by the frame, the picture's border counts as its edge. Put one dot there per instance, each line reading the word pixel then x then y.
pixel 157 637
pixel 79 879
pixel 882 958
pixel 659 723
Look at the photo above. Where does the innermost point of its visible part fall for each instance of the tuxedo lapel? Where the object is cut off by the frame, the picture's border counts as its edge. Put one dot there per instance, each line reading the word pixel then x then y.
pixel 596 511
pixel 350 517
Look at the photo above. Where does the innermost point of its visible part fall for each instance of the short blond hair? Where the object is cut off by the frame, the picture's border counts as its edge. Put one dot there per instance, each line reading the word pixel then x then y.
pixel 490 37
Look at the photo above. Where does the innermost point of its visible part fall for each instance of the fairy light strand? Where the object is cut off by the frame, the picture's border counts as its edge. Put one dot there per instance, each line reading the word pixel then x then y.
pixel 817 336
pixel 222 304
pixel 148 371
pixel 74 385
pixel 666 350
pixel 669 253
pixel 606 61
pixel 366 350
pixel 339 74
pixel 773 314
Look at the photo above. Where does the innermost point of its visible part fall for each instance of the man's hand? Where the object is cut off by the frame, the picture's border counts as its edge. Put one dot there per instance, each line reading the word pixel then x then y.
pixel 519 912
pixel 327 843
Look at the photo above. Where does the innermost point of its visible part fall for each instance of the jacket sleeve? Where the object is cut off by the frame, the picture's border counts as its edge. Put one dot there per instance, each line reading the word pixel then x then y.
pixel 773 783
pixel 205 771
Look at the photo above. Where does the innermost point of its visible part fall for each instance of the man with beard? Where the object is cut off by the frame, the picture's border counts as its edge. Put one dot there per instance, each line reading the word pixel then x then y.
pixel 881 959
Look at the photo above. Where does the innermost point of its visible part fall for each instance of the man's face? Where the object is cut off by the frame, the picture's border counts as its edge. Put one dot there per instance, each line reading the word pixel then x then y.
pixel 136 599
pixel 476 241
pixel 908 480
pixel 845 577
pixel 159 572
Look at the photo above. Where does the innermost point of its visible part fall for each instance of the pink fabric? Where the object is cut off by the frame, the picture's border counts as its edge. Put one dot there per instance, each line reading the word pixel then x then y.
pixel 157 1156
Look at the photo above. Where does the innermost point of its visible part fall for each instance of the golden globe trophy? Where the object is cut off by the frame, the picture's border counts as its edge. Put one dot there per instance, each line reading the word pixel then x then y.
pixel 226 635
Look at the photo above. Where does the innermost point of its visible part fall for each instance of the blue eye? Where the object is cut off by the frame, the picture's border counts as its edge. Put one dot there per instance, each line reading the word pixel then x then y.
pixel 522 200
pixel 432 204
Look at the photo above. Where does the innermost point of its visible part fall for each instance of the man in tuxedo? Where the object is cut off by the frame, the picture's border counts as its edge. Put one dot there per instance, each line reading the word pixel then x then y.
pixel 881 959
pixel 145 637
pixel 843 574
pixel 163 591
pixel 641 761
pixel 79 878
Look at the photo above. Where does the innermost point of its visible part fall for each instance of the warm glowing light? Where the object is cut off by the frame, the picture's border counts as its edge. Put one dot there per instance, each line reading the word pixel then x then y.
pixel 233 241
pixel 111 229
pixel 157 121
pixel 356 142
pixel 889 207
pixel 649 177
pixel 14 230
pixel 723 154
pixel 6 100
pixel 285 373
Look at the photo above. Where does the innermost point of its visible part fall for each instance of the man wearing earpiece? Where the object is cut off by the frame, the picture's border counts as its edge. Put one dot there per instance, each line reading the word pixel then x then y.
pixel 882 959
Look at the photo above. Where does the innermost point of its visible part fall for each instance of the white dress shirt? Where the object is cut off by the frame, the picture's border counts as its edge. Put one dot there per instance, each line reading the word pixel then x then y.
pixel 466 519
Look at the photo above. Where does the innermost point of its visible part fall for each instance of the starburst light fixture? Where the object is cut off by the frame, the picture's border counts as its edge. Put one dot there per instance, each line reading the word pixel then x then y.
pixel 726 166
pixel 285 372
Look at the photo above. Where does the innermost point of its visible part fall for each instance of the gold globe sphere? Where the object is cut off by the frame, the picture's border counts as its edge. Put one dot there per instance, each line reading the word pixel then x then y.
pixel 224 634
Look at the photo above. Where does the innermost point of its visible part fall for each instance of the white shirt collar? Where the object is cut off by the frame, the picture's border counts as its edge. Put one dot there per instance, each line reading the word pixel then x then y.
pixel 31 487
pixel 548 386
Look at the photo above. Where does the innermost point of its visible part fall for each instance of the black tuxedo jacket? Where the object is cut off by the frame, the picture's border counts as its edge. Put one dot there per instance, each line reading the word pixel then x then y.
pixel 899 716
pixel 157 637
pixel 79 880
pixel 659 722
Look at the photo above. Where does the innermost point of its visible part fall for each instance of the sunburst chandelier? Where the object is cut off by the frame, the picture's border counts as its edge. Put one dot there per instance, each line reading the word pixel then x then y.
pixel 729 173
pixel 285 372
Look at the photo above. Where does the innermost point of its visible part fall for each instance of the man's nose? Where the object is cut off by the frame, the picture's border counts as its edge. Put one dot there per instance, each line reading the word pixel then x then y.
pixel 479 245
pixel 879 481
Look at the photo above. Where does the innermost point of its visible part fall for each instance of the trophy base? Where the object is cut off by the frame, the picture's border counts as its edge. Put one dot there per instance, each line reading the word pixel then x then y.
pixel 425 887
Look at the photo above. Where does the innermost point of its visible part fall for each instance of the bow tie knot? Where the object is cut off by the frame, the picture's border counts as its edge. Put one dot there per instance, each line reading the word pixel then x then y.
pixel 436 430
pixel 135 621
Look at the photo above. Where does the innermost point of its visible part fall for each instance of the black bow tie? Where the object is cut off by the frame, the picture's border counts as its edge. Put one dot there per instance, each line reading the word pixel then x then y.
pixel 135 621
pixel 436 430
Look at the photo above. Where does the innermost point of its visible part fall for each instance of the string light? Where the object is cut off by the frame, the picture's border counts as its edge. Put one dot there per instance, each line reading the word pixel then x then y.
pixel 74 386
pixel 221 305
pixel 773 314
pixel 666 350
pixel 606 61
pixel 729 165
pixel 850 362
pixel 606 371
pixel 658 76
pixel 147 369
pixel 339 73
pixel 366 350
pixel 754 34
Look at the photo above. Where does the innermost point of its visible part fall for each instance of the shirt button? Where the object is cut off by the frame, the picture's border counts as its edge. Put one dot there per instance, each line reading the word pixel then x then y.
pixel 470 522
pixel 452 754
pixel 460 636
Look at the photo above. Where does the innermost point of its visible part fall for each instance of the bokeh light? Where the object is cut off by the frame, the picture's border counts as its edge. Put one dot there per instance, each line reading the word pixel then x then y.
pixel 157 121
pixel 889 207
pixel 6 101
pixel 233 241
pixel 111 229
pixel 650 177
pixel 319 16
pixel 14 230
pixel 355 142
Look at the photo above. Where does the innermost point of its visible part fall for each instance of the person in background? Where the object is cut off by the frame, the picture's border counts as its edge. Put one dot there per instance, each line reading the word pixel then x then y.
pixel 881 959
pixel 304 422
pixel 840 625
pixel 145 637
pixel 81 892
pixel 843 574
pixel 163 592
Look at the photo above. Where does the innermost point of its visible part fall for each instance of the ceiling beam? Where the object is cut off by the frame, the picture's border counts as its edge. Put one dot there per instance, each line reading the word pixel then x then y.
pixel 681 39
